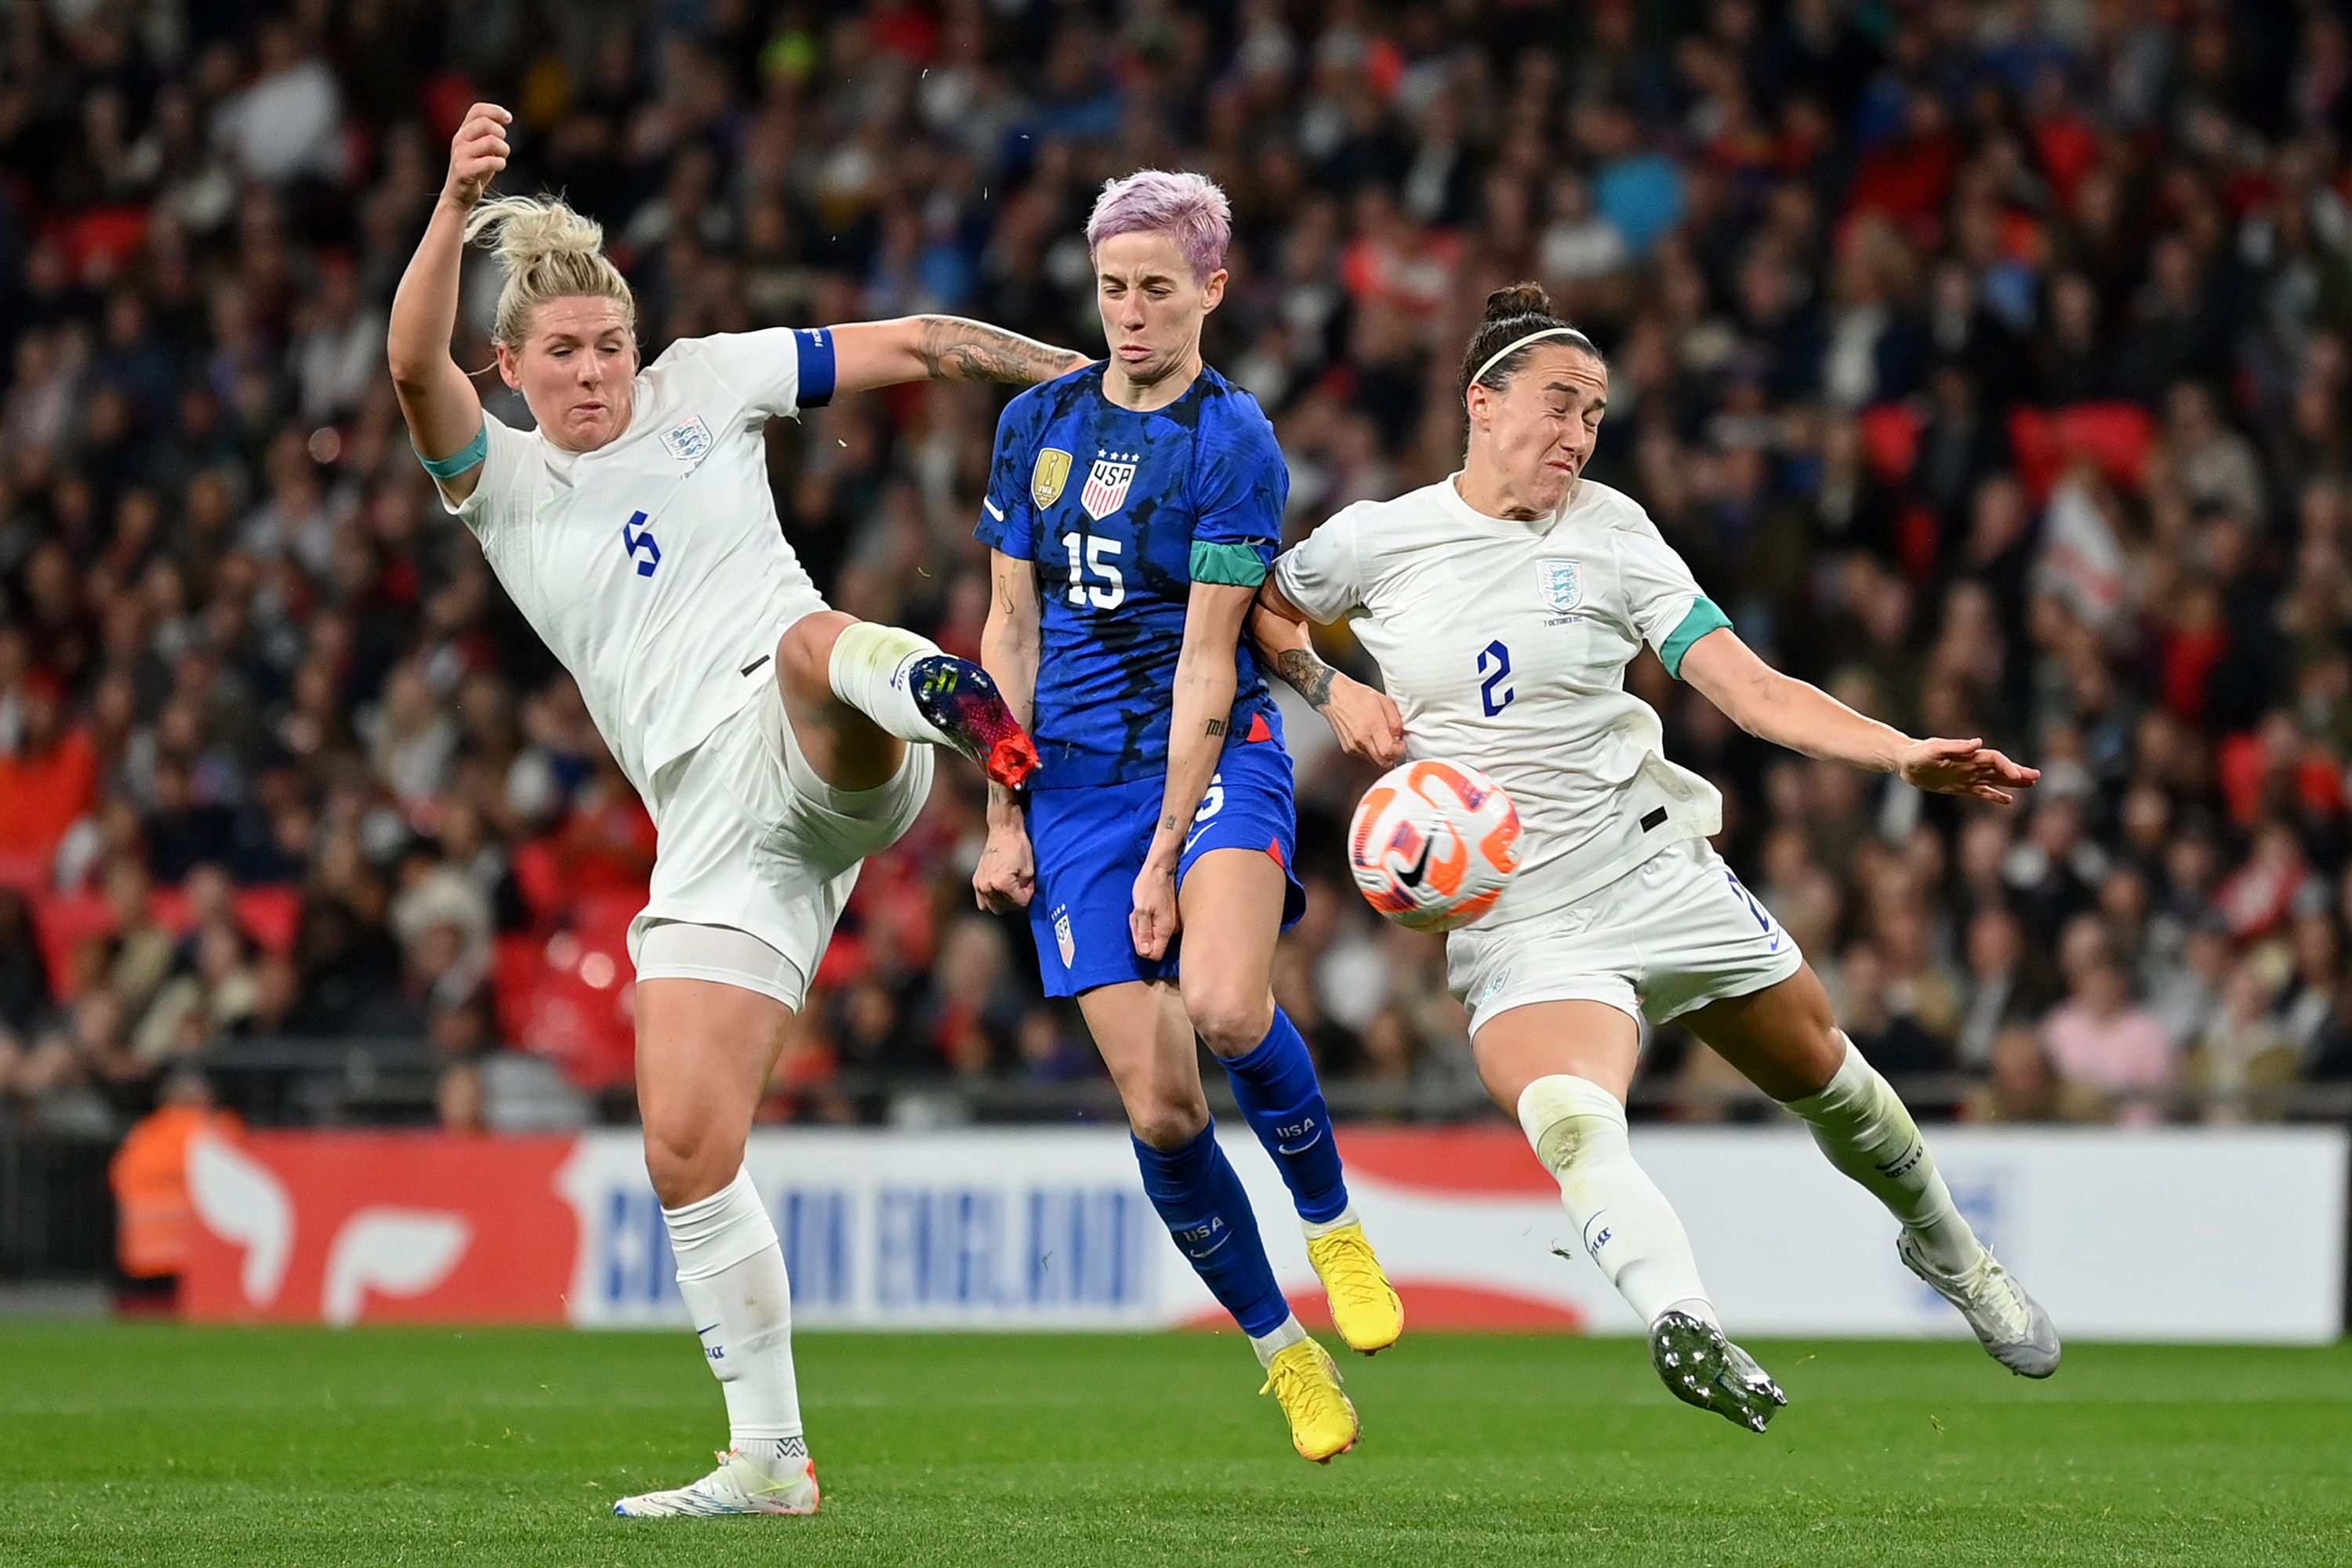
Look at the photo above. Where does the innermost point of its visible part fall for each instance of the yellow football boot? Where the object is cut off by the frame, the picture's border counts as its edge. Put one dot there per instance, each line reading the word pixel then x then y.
pixel 1364 1306
pixel 1305 1380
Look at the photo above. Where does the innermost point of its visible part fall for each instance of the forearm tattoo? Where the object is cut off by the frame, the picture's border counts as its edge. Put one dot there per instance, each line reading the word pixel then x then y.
pixel 1307 675
pixel 1216 726
pixel 955 349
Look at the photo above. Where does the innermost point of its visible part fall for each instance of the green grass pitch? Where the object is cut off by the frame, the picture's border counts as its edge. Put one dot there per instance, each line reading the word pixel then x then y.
pixel 164 1445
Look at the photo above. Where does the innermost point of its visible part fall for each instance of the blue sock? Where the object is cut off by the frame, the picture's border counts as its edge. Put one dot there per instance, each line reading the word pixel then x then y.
pixel 1199 1197
pixel 1278 1093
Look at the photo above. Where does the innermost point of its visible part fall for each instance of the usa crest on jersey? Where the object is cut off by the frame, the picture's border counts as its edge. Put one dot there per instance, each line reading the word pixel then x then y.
pixel 1562 584
pixel 1107 484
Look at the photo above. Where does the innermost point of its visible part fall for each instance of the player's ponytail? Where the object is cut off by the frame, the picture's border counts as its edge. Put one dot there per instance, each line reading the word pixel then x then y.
pixel 1517 319
pixel 548 252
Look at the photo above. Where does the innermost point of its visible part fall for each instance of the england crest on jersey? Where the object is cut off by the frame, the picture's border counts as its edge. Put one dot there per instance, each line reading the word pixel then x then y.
pixel 1107 484
pixel 1561 583
pixel 689 442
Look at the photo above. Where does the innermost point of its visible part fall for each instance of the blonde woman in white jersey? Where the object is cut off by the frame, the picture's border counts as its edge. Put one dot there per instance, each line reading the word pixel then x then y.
pixel 1502 606
pixel 768 735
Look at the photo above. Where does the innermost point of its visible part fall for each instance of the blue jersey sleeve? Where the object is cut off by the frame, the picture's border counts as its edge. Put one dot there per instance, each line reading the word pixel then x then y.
pixel 1240 486
pixel 1007 521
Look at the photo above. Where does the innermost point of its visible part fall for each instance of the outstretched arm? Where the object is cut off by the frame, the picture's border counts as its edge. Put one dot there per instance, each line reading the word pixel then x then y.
pixel 442 410
pixel 867 354
pixel 1803 716
pixel 1365 721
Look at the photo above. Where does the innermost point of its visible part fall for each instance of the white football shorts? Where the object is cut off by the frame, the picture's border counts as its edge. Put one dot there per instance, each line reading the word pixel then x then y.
pixel 1676 932
pixel 751 840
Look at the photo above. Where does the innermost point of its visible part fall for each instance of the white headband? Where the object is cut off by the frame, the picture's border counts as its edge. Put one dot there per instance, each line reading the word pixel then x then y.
pixel 1507 350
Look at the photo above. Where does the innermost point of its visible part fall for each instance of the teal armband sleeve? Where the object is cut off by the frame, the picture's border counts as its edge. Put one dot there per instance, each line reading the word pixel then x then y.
pixel 1703 617
pixel 458 462
pixel 1232 565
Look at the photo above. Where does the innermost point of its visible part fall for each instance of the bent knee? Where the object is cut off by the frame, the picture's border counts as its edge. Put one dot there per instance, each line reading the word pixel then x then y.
pixel 1168 1121
pixel 1230 1020
pixel 804 655
pixel 688 1162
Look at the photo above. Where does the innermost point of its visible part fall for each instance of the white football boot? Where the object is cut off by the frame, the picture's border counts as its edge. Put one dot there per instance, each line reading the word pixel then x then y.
pixel 2012 1325
pixel 740 1485
pixel 1701 1367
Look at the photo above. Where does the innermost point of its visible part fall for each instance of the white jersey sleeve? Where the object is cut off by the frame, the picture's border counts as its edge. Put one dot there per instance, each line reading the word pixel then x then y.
pixel 1323 574
pixel 777 372
pixel 509 487
pixel 1661 596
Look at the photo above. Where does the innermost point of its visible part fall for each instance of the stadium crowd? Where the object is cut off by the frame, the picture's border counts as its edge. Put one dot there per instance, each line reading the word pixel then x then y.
pixel 1989 362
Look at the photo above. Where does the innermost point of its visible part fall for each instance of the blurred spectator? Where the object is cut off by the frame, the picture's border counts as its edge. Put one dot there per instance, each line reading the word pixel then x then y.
pixel 1891 1041
pixel 2243 1051
pixel 24 976
pixel 460 1103
pixel 2100 1038
pixel 150 1177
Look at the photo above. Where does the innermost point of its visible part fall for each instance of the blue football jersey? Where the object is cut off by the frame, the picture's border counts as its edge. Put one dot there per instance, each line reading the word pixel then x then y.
pixel 1121 512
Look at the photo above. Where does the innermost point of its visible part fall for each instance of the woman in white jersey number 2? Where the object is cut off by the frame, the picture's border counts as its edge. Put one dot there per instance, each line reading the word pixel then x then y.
pixel 1619 909
pixel 769 735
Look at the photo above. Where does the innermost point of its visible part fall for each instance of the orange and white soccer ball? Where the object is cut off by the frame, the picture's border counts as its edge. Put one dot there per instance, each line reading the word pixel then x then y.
pixel 1433 844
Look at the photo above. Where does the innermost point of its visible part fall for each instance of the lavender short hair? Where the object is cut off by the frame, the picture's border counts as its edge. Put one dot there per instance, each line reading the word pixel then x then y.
pixel 1188 208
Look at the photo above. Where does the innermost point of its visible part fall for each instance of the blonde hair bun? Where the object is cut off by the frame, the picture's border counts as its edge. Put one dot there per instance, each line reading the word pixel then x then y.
pixel 548 251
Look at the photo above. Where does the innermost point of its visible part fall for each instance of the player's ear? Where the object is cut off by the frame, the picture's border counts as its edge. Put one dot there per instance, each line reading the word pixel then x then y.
pixel 1212 291
pixel 510 368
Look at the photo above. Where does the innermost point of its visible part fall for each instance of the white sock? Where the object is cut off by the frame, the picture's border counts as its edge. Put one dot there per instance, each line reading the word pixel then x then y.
pixel 1317 1229
pixel 1268 1346
pixel 731 1270
pixel 1577 1129
pixel 1863 1127
pixel 868 671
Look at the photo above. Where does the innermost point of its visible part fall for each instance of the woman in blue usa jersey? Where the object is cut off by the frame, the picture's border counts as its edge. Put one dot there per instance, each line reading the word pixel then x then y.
pixel 769 735
pixel 1133 509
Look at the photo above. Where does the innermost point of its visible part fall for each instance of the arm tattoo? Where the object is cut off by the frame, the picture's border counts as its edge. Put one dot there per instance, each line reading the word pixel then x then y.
pixel 1307 675
pixel 1216 726
pixel 953 349
pixel 1168 823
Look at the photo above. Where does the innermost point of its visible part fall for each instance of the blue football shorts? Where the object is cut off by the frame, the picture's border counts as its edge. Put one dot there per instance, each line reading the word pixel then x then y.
pixel 1090 842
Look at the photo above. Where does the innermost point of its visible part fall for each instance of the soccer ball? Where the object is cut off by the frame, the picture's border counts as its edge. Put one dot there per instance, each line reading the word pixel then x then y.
pixel 1433 843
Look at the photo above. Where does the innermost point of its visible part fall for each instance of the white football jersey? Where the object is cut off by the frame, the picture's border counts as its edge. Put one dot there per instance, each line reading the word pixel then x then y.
pixel 655 567
pixel 1505 644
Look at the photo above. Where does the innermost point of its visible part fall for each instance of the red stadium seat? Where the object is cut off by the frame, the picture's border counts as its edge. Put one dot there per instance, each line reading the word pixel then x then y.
pixel 579 1012
pixel 270 915
pixel 2117 436
pixel 1890 440
pixel 2034 448
pixel 66 920
pixel 539 872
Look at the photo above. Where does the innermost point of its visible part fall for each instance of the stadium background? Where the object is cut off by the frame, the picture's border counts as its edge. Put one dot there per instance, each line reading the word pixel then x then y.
pixel 1988 362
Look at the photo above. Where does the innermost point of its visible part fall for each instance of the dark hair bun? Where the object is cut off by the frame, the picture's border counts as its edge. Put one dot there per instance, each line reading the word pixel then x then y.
pixel 1519 300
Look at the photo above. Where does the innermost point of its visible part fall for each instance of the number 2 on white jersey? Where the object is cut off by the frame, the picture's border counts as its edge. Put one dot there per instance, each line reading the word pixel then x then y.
pixel 1110 591
pixel 1495 692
